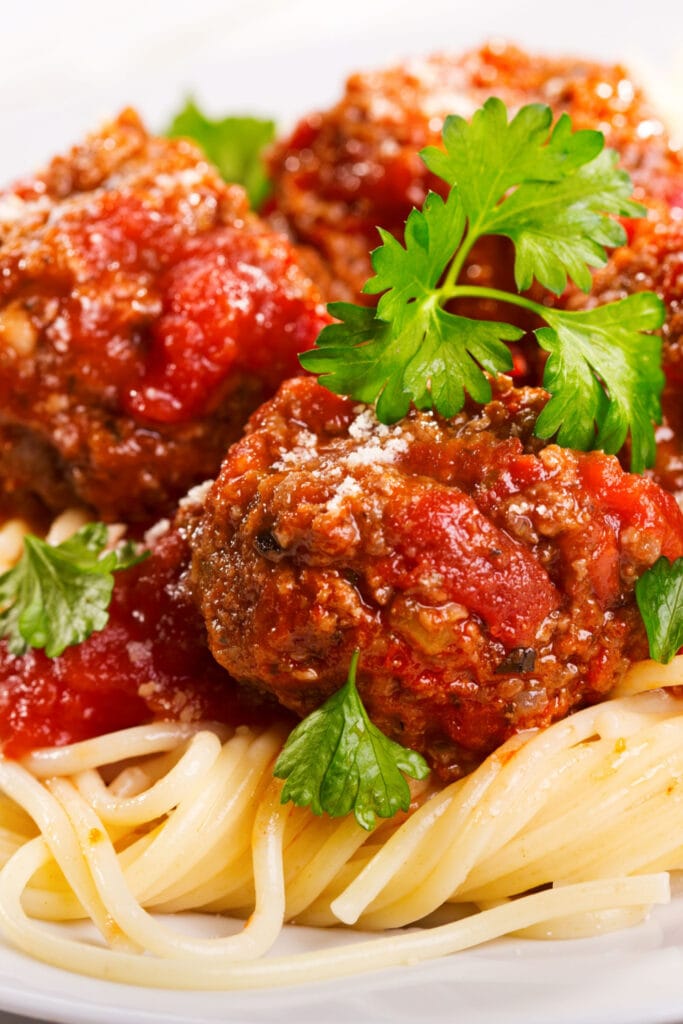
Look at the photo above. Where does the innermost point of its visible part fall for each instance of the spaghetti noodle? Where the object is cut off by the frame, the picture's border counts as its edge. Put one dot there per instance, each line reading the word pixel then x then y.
pixel 158 819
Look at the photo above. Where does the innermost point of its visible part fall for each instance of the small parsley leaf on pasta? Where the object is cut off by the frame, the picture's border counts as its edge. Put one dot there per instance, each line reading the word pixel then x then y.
pixel 659 593
pixel 234 144
pixel 336 761
pixel 56 596
pixel 555 194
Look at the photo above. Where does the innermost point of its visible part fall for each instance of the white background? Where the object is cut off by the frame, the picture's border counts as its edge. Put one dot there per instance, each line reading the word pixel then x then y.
pixel 67 64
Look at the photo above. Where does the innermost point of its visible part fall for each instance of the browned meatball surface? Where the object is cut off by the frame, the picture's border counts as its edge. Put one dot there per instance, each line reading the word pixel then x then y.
pixel 144 314
pixel 652 261
pixel 486 578
pixel 347 170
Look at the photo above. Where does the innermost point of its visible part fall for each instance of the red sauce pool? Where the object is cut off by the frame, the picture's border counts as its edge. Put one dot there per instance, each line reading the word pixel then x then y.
pixel 150 662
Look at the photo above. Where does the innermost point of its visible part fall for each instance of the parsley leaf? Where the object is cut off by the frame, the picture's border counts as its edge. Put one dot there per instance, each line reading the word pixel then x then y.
pixel 555 194
pixel 659 593
pixel 435 359
pixel 604 344
pixel 564 188
pixel 336 761
pixel 410 348
pixel 234 144
pixel 488 155
pixel 56 596
pixel 560 228
pixel 412 272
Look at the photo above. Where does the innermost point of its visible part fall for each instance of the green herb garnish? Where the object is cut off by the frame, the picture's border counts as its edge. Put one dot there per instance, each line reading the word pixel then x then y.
pixel 554 194
pixel 56 596
pixel 336 761
pixel 659 593
pixel 234 144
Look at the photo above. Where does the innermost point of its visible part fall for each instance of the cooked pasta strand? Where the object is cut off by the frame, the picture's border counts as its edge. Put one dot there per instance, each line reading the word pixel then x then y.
pixel 191 820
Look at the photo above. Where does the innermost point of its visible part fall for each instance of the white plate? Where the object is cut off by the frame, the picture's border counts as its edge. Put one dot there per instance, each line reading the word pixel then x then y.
pixel 64 67
pixel 632 977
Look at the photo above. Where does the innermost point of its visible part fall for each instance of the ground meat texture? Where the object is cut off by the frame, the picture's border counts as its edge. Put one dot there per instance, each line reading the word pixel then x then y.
pixel 653 261
pixel 356 166
pixel 487 578
pixel 144 314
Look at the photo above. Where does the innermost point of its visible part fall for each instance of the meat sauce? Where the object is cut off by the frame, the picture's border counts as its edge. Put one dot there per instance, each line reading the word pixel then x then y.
pixel 150 661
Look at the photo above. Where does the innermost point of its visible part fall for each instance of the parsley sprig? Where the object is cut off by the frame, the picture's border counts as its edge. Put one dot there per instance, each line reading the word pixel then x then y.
pixel 554 194
pixel 336 761
pixel 56 596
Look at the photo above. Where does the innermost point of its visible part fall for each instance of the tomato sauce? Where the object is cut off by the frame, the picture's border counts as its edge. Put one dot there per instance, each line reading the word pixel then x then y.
pixel 145 312
pixel 150 662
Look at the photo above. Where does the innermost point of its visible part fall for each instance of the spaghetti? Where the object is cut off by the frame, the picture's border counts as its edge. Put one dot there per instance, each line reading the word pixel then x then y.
pixel 124 829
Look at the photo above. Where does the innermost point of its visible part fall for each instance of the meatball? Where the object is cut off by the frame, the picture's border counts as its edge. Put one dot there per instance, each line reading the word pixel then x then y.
pixel 144 314
pixel 652 261
pixel 346 171
pixel 487 578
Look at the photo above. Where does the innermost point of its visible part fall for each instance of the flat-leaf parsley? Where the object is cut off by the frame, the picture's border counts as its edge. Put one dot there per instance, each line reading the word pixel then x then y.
pixel 56 596
pixel 554 194
pixel 234 144
pixel 659 593
pixel 336 761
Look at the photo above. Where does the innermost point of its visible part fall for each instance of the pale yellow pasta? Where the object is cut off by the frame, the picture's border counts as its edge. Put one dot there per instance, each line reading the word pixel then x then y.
pixel 12 533
pixel 591 809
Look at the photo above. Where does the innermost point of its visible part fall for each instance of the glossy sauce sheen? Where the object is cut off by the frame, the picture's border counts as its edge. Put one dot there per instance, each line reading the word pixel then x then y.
pixel 150 661
pixel 145 312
